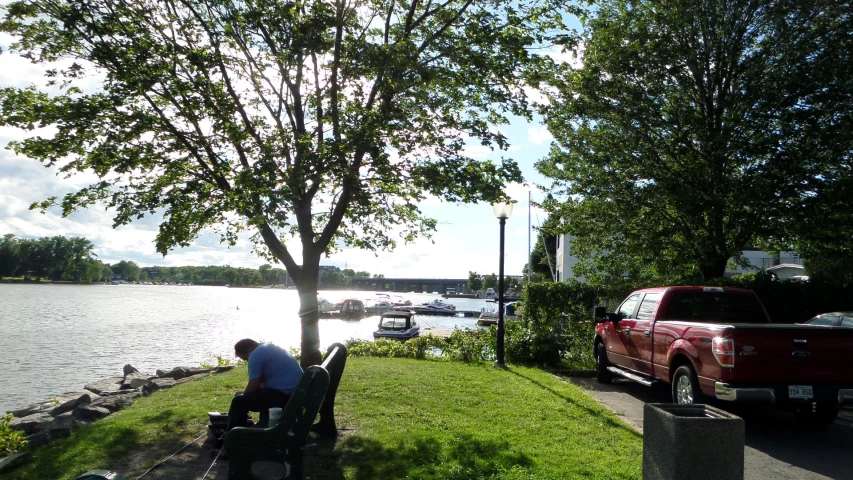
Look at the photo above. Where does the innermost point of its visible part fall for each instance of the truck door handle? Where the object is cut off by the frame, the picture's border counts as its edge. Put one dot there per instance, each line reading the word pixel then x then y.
pixel 627 330
pixel 648 333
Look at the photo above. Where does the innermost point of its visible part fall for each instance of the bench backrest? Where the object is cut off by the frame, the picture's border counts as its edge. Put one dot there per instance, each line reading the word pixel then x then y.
pixel 334 362
pixel 302 408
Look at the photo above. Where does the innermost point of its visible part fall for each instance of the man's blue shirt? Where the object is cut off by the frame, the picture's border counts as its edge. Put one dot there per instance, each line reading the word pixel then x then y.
pixel 275 367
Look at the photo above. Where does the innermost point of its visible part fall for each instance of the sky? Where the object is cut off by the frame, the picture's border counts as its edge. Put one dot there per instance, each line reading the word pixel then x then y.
pixel 467 238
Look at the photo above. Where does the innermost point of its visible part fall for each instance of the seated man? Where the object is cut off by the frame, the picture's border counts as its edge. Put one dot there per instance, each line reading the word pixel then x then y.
pixel 273 376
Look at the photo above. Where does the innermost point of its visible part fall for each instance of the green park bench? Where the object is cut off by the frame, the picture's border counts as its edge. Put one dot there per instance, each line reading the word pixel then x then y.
pixel 285 442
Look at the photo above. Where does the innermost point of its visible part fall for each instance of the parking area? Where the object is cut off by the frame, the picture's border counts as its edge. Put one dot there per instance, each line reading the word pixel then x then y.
pixel 775 446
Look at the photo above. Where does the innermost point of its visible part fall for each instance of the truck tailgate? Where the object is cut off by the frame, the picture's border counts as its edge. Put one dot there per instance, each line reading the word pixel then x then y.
pixel 790 354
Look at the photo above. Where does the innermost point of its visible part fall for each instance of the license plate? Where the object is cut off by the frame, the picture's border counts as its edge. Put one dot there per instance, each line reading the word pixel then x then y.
pixel 800 391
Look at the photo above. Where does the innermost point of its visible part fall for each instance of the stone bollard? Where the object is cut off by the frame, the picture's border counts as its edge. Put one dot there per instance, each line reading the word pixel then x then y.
pixel 691 441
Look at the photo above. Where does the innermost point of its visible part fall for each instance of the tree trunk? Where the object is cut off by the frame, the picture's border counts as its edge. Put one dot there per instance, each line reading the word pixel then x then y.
pixel 715 267
pixel 308 313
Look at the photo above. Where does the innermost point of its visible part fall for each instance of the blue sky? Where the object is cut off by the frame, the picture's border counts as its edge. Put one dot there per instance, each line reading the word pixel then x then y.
pixel 467 238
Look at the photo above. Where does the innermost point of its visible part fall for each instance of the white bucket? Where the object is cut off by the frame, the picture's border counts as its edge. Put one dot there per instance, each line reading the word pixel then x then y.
pixel 275 416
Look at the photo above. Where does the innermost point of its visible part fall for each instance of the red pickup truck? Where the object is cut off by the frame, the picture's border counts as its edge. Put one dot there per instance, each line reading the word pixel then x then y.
pixel 715 342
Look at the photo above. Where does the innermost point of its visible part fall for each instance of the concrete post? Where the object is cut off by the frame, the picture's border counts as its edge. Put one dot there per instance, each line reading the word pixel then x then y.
pixel 691 441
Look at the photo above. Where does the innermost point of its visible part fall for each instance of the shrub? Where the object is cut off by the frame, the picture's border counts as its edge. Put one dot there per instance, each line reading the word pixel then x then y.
pixel 11 441
pixel 558 328
pixel 463 345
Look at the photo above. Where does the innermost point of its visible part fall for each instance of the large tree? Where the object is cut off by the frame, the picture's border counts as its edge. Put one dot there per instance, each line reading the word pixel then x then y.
pixel 696 128
pixel 324 123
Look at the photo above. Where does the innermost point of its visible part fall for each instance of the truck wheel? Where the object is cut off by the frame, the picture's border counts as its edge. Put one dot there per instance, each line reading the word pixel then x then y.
pixel 603 375
pixel 818 420
pixel 685 386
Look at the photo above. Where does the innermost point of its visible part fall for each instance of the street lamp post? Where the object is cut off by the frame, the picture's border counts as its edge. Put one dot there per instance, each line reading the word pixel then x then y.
pixel 502 211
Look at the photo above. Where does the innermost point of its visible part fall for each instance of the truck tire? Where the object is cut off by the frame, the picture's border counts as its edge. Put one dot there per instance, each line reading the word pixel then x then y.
pixel 685 386
pixel 818 420
pixel 602 374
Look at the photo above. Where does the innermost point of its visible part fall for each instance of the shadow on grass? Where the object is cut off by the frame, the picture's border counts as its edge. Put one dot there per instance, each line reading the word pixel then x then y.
pixel 76 455
pixel 609 420
pixel 449 457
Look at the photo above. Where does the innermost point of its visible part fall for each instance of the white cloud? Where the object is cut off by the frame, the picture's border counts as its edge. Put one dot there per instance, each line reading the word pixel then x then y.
pixel 539 134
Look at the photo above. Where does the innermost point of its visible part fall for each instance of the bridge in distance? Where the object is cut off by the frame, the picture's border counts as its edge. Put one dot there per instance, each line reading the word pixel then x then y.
pixel 418 285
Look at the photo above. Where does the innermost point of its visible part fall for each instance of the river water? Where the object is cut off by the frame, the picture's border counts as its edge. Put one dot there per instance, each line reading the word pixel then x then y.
pixel 57 338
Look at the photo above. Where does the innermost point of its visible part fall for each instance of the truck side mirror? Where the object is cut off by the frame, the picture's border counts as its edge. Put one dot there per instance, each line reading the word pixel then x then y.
pixel 602 315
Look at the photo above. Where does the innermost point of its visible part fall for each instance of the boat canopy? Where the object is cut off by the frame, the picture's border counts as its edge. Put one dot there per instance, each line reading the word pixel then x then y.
pixel 396 320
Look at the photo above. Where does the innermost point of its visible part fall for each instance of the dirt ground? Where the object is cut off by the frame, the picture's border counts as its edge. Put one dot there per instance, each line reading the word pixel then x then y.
pixel 201 461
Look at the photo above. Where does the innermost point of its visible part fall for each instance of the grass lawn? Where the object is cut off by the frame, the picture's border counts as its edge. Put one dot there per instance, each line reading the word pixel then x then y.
pixel 404 418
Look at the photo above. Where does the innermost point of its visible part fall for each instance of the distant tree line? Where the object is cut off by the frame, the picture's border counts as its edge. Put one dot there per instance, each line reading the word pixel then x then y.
pixel 485 282
pixel 54 258
pixel 72 259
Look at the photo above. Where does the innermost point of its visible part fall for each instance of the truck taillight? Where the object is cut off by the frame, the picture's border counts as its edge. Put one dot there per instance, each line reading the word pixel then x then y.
pixel 724 351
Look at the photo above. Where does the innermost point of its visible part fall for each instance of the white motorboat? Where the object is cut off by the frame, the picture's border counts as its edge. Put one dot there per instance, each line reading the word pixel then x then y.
pixel 325 306
pixel 380 304
pixel 439 304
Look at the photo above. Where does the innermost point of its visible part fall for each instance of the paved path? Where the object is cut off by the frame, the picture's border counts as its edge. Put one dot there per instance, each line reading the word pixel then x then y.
pixel 775 447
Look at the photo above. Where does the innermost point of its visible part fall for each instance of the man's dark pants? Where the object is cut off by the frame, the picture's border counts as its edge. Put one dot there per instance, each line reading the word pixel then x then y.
pixel 258 401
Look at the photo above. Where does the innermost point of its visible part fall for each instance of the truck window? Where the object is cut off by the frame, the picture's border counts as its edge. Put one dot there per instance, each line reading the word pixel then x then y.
pixel 626 310
pixel 715 307
pixel 828 321
pixel 647 308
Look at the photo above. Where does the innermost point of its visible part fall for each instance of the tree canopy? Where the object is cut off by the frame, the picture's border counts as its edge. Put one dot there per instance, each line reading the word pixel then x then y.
pixel 324 123
pixel 696 128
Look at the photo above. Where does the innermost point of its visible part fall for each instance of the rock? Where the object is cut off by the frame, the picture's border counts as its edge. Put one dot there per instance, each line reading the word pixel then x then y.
pixel 128 369
pixel 164 382
pixel 72 395
pixel 105 386
pixel 47 436
pixel 65 421
pixel 30 423
pixel 175 373
pixel 196 371
pixel 71 404
pixel 223 368
pixel 135 380
pixel 90 413
pixel 114 403
pixel 31 409
pixel 12 461
pixel 150 388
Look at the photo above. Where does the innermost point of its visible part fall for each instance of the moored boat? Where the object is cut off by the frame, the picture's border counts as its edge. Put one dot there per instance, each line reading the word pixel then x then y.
pixel 397 324
pixel 439 304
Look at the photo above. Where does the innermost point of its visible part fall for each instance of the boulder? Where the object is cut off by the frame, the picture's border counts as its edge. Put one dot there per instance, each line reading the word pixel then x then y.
pixel 30 423
pixel 164 382
pixel 175 374
pixel 90 413
pixel 223 368
pixel 128 369
pixel 114 403
pixel 135 380
pixel 149 388
pixel 12 461
pixel 31 409
pixel 196 371
pixel 66 421
pixel 71 404
pixel 105 386
pixel 46 436
pixel 72 395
